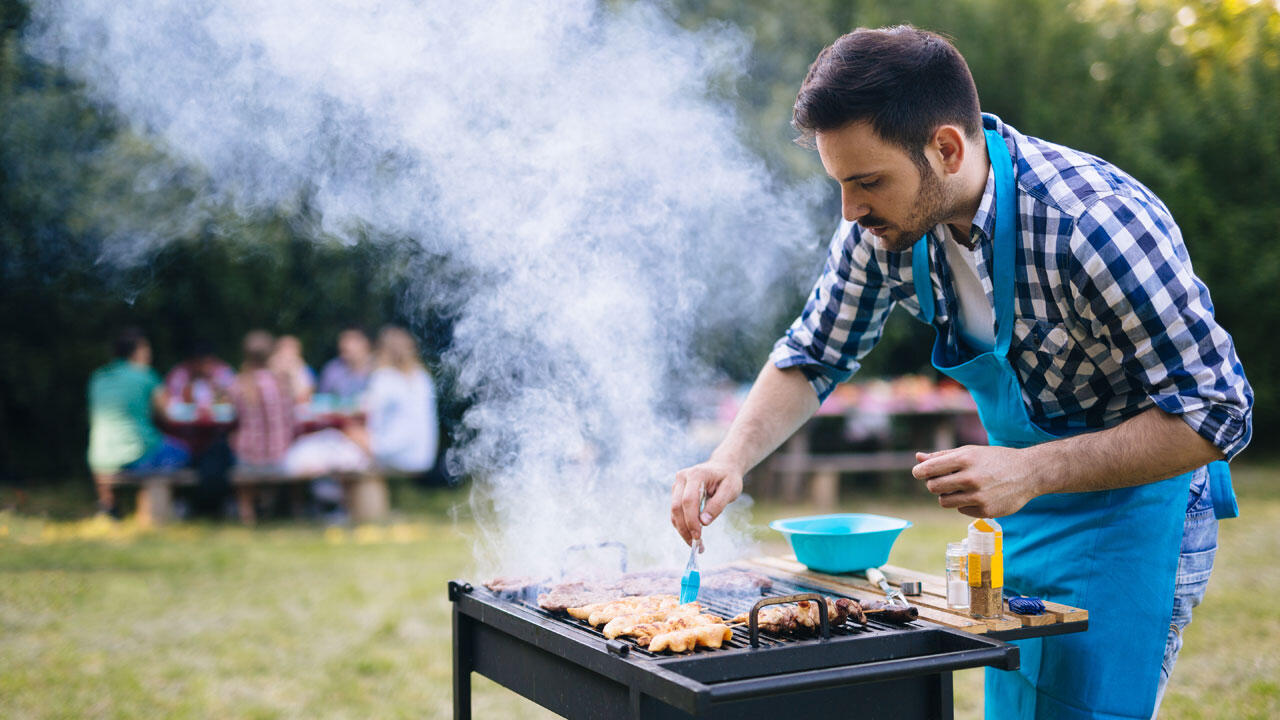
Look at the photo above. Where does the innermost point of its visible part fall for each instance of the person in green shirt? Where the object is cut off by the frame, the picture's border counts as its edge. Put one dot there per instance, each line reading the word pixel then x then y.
pixel 122 435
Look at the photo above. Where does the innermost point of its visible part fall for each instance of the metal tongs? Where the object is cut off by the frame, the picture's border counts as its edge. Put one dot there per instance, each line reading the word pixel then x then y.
pixel 692 579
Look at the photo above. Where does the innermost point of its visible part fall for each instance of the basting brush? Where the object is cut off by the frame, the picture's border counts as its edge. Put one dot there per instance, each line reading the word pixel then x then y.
pixel 692 580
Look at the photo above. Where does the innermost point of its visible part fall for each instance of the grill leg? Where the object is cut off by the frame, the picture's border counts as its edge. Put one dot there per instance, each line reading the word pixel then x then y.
pixel 635 704
pixel 462 665
pixel 946 696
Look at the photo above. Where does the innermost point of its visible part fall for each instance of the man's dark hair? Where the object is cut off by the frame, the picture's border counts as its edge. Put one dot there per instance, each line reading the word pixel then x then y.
pixel 126 342
pixel 906 82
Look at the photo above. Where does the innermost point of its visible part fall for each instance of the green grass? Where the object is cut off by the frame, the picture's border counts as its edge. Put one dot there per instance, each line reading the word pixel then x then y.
pixel 101 620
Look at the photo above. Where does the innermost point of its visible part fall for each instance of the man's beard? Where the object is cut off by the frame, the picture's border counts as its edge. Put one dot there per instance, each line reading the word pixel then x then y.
pixel 933 204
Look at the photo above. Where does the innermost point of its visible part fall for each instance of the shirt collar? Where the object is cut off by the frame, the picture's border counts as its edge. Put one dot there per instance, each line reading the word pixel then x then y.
pixel 984 221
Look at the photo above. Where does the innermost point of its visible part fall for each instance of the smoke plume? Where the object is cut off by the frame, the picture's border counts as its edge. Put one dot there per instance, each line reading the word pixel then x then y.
pixel 579 160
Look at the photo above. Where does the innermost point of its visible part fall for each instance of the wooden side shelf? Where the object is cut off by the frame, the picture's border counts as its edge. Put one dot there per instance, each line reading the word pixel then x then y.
pixel 932 602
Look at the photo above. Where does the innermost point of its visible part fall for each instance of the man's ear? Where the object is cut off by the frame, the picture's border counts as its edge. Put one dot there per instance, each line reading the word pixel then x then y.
pixel 948 143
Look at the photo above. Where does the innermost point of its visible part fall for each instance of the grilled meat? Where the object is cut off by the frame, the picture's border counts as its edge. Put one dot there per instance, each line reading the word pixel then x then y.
pixel 802 618
pixel 575 594
pixel 584 612
pixel 561 597
pixel 511 585
pixel 888 612
pixel 627 606
pixel 645 632
pixel 687 639
pixel 623 624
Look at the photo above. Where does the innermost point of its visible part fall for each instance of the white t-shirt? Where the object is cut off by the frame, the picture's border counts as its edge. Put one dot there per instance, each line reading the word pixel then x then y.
pixel 402 419
pixel 975 316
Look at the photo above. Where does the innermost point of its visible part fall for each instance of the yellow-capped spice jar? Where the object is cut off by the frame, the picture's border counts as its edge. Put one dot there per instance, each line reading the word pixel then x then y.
pixel 986 569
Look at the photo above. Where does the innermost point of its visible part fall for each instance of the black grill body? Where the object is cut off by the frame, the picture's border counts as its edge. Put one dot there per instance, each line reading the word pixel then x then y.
pixel 571 669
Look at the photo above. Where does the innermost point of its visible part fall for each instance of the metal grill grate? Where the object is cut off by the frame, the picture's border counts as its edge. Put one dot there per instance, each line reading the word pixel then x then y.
pixel 741 635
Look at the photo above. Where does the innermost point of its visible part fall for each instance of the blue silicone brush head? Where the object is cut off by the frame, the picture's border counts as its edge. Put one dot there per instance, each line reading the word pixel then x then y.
pixel 692 580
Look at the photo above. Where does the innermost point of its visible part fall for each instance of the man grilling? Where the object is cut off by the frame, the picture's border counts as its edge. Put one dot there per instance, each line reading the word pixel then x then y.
pixel 1063 298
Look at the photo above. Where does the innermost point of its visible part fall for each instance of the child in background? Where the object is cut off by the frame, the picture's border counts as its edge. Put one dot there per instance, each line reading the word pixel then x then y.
pixel 265 413
pixel 400 403
pixel 287 361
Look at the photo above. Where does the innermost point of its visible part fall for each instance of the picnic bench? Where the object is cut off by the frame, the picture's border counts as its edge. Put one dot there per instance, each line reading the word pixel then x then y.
pixel 155 490
pixel 365 493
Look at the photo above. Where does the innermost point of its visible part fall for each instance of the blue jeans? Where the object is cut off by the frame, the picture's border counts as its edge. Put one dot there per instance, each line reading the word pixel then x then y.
pixel 170 454
pixel 1199 543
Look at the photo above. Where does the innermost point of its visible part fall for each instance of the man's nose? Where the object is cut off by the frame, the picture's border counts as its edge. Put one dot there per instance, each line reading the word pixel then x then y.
pixel 852 206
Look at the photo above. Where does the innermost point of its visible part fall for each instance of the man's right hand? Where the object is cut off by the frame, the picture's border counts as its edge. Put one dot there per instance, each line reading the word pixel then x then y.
pixel 779 402
pixel 722 483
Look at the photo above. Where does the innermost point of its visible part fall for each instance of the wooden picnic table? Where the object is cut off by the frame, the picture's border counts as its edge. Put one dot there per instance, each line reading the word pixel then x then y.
pixel 365 492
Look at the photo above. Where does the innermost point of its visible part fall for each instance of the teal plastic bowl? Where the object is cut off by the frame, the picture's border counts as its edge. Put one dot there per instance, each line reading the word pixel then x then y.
pixel 841 543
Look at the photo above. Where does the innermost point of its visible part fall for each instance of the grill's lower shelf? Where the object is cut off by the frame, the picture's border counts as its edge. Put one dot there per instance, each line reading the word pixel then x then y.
pixel 569 669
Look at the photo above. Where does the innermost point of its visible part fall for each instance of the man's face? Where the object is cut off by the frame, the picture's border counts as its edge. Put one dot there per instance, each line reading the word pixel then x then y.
pixel 881 189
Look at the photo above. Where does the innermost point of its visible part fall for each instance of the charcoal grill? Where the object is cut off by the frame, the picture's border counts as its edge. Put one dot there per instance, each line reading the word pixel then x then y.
pixel 570 668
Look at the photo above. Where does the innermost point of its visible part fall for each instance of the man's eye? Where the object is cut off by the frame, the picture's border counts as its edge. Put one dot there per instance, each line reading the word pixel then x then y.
pixel 868 184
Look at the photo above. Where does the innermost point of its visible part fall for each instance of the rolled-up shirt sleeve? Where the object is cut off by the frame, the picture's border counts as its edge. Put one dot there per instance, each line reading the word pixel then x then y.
pixel 843 318
pixel 1132 280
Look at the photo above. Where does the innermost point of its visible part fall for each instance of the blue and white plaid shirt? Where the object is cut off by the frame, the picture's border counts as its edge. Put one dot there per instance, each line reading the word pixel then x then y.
pixel 1110 319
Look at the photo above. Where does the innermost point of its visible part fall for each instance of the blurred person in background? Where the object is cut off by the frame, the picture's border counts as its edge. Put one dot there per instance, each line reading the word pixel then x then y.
pixel 191 389
pixel 123 395
pixel 201 379
pixel 287 361
pixel 346 376
pixel 399 435
pixel 264 411
pixel 401 430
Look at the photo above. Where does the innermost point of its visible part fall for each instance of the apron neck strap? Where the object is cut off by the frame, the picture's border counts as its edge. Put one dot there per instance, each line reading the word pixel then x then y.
pixel 922 279
pixel 1006 206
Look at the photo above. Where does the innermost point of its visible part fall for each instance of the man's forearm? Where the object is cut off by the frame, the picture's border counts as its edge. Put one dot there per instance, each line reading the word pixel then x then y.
pixel 779 403
pixel 1145 448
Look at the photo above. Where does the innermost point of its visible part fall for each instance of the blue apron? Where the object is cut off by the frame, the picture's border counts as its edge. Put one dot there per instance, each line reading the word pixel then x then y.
pixel 1113 552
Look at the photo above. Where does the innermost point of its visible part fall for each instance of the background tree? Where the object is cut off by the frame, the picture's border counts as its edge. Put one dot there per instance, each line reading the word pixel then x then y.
pixel 1184 95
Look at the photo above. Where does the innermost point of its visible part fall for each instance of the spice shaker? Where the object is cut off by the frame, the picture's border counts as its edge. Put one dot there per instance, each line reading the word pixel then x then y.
pixel 957 584
pixel 985 569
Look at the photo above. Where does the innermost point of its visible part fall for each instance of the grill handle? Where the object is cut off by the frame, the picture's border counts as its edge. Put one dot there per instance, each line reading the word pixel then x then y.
pixel 621 548
pixel 753 621
pixel 999 655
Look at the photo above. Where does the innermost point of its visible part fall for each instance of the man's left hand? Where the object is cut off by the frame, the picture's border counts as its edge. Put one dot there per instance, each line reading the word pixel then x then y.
pixel 978 480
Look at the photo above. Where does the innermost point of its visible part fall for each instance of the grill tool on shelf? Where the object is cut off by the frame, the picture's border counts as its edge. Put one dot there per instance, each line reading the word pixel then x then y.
pixel 894 595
